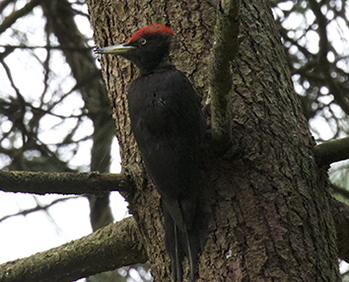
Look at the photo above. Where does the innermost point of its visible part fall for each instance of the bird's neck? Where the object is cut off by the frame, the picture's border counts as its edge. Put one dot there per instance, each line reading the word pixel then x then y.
pixel 162 66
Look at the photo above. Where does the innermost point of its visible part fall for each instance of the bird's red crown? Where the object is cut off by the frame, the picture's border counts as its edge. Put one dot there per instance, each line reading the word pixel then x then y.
pixel 152 29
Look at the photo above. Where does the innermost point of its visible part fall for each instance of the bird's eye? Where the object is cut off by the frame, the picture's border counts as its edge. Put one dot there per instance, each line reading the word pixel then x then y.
pixel 143 41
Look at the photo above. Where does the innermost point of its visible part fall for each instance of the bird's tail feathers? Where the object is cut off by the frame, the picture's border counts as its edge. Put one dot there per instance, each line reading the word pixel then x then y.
pixel 187 240
pixel 174 246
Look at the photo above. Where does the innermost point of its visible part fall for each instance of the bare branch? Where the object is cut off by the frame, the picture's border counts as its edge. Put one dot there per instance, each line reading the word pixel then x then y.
pixel 224 50
pixel 339 190
pixel 4 4
pixel 7 22
pixel 38 207
pixel 324 65
pixel 106 249
pixel 49 47
pixel 332 151
pixel 62 183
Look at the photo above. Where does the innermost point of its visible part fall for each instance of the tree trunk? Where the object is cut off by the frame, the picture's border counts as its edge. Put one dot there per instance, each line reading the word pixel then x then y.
pixel 270 216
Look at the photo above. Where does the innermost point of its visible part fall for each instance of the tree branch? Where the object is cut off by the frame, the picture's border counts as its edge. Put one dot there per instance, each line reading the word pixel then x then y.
pixel 323 63
pixel 38 207
pixel 13 17
pixel 48 47
pixel 339 191
pixel 63 183
pixel 224 50
pixel 106 249
pixel 332 151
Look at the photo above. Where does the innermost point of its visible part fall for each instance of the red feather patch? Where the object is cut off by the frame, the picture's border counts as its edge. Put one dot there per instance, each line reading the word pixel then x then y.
pixel 152 29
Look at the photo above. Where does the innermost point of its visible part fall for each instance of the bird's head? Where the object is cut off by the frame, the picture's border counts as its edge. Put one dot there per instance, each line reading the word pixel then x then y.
pixel 148 48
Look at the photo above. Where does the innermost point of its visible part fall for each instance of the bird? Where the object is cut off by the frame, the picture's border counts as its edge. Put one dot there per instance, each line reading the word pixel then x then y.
pixel 169 128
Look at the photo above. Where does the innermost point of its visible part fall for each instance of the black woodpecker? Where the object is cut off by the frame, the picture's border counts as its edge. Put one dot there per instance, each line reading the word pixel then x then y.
pixel 168 125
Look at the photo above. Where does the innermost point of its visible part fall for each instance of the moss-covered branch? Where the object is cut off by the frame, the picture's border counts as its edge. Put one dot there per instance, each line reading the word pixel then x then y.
pixel 332 151
pixel 106 249
pixel 224 50
pixel 62 183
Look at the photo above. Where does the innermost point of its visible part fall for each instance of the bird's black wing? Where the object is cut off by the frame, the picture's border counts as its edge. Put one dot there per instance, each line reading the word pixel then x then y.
pixel 168 125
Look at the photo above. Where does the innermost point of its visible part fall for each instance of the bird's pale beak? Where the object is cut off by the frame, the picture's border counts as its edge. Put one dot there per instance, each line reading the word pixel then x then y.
pixel 115 49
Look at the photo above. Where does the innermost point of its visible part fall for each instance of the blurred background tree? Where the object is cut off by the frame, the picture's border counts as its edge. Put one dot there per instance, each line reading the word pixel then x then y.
pixel 55 114
pixel 316 37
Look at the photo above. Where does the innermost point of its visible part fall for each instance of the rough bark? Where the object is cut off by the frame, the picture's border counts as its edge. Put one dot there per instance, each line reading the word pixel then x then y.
pixel 271 218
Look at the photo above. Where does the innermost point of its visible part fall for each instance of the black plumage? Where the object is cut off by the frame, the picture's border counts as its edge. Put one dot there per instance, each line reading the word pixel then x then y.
pixel 168 126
